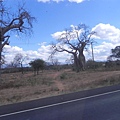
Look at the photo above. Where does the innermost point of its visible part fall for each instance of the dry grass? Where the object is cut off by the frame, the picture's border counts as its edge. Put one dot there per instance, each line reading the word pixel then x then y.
pixel 15 87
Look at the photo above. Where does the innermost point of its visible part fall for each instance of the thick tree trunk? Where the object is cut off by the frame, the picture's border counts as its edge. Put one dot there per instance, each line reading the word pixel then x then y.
pixel 81 56
pixel 82 61
pixel 76 63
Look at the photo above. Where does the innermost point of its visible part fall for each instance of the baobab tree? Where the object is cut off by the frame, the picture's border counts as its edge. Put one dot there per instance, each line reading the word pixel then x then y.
pixel 19 22
pixel 74 42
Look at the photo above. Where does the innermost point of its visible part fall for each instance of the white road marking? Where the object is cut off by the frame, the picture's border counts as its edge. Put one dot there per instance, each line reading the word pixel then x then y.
pixel 47 106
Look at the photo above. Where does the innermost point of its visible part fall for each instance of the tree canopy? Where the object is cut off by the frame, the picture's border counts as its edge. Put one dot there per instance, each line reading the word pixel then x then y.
pixel 115 53
pixel 37 64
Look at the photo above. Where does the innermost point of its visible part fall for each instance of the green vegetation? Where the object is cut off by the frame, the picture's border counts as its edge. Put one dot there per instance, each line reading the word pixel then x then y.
pixel 37 65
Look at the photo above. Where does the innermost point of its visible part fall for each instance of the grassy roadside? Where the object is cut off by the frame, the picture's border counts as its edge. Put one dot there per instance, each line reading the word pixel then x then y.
pixel 15 87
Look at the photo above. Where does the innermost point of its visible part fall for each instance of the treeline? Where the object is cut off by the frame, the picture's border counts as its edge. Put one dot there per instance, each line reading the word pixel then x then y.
pixel 18 69
pixel 90 65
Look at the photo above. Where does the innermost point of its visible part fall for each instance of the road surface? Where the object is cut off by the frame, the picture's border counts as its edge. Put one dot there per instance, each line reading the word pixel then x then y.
pixel 96 104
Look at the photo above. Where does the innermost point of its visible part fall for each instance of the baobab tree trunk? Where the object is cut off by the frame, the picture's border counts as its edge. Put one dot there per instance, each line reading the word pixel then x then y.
pixel 81 56
pixel 76 63
pixel 82 61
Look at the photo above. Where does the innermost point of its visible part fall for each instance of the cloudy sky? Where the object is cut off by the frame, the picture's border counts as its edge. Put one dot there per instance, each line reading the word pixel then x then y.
pixel 54 16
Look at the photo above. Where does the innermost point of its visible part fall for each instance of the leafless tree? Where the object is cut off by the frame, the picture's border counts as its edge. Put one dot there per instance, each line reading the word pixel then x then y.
pixel 54 61
pixel 20 22
pixel 74 42
pixel 18 61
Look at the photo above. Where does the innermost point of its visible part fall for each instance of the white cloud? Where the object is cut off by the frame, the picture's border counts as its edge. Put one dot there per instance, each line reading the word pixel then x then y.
pixel 57 1
pixel 13 49
pixel 70 36
pixel 10 52
pixel 77 1
pixel 57 35
pixel 102 51
pixel 44 1
pixel 43 52
pixel 107 32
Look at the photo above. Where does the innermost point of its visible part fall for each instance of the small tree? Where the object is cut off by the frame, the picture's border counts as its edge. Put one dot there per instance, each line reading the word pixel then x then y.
pixel 37 65
pixel 115 52
pixel 114 58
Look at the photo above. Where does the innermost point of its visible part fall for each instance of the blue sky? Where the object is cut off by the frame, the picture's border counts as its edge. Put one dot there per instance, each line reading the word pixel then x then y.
pixel 103 16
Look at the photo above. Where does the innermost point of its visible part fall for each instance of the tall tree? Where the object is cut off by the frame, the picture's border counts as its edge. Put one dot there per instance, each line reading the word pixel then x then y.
pixel 74 41
pixel 20 22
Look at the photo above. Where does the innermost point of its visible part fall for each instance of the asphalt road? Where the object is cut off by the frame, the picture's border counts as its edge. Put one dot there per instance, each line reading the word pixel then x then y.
pixel 96 104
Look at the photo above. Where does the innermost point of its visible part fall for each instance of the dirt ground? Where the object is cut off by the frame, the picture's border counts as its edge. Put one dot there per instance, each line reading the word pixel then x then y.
pixel 17 87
